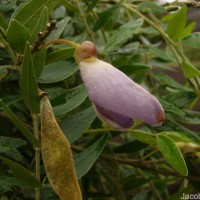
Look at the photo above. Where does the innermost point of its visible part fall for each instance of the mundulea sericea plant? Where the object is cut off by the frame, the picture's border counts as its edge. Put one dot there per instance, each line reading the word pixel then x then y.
pixel 116 98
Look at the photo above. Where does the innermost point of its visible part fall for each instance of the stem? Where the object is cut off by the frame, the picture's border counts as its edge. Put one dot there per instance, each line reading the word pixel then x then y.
pixel 60 41
pixel 176 56
pixel 150 154
pixel 37 155
pixel 98 130
pixel 84 20
pixel 191 106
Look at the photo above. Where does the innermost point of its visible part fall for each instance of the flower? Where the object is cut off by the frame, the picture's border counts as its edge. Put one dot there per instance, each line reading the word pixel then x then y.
pixel 116 98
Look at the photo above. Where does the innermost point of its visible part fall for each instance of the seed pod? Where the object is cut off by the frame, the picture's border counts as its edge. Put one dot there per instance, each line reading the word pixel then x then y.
pixel 57 155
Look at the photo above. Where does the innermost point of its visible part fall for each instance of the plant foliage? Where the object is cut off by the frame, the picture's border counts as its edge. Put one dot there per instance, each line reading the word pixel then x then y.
pixel 145 40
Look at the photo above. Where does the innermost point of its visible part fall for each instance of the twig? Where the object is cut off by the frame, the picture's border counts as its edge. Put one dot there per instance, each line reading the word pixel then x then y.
pixel 60 41
pixel 43 35
pixel 7 74
pixel 134 161
pixel 194 102
pixel 145 165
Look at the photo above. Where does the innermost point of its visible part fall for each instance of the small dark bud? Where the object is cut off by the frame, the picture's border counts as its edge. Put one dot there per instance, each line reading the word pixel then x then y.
pixel 53 22
pixel 40 34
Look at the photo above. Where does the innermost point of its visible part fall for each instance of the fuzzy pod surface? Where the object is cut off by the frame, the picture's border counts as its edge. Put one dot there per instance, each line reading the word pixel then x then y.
pixel 57 156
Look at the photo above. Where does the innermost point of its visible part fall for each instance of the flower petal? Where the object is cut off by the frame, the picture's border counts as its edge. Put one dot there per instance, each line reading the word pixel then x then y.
pixel 121 120
pixel 112 90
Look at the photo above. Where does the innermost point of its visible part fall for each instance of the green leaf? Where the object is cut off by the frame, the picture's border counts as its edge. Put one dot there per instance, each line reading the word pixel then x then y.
pixel 6 5
pixel 188 30
pixel 123 34
pixel 176 136
pixel 180 99
pixel 28 84
pixel 192 40
pixel 6 183
pixel 161 55
pixel 92 4
pixel 60 54
pixel 85 160
pixel 131 182
pixel 189 117
pixel 69 6
pixel 144 137
pixel 17 36
pixel 40 25
pixel 105 16
pixel 171 125
pixel 192 114
pixel 54 92
pixel 21 173
pixel 171 108
pixel 60 26
pixel 143 195
pixel 164 79
pixel 11 99
pixel 72 99
pixel 130 147
pixel 195 84
pixel 74 126
pixel 150 7
pixel 134 68
pixel 189 70
pixel 57 71
pixel 130 48
pixel 8 143
pixel 167 18
pixel 9 147
pixel 3 23
pixel 29 14
pixel 177 24
pixel 27 134
pixel 172 154
pixel 171 55
pixel 39 58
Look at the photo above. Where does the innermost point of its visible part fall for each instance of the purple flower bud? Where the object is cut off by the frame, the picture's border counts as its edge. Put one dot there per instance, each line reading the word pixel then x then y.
pixel 116 98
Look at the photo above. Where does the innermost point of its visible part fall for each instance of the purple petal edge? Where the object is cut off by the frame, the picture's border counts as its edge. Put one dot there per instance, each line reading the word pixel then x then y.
pixel 121 120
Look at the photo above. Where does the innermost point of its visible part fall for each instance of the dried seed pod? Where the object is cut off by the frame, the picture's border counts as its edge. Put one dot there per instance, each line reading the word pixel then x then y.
pixel 57 155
